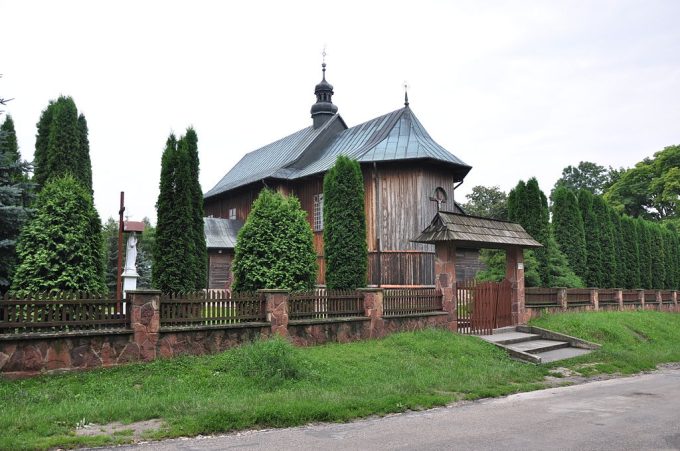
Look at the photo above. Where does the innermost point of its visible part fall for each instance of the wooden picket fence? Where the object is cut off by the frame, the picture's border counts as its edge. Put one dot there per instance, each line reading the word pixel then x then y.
pixel 211 308
pixel 323 304
pixel 410 301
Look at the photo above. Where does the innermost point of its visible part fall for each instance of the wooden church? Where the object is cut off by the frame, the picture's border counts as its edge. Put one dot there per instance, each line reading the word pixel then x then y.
pixel 408 177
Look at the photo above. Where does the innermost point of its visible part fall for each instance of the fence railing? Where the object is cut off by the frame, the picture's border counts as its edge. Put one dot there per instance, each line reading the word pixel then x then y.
pixel 323 304
pixel 538 297
pixel 411 301
pixel 211 308
pixel 62 312
pixel 650 296
pixel 667 297
pixel 578 297
pixel 631 297
pixel 607 297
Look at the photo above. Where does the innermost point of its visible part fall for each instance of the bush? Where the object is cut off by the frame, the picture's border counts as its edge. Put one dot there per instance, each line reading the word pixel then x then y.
pixel 275 246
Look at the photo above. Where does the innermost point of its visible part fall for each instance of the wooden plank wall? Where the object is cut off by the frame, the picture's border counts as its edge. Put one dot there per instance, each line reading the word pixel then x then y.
pixel 219 270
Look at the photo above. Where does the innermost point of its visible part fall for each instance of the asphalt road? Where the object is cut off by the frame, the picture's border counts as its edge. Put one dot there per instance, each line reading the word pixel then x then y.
pixel 634 413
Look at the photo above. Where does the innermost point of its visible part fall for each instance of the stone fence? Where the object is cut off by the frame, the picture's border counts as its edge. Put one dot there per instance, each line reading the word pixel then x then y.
pixel 146 339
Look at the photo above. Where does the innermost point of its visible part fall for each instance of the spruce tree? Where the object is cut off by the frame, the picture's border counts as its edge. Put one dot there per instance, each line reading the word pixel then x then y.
pixel 175 250
pixel 200 264
pixel 594 276
pixel 61 247
pixel 603 222
pixel 569 231
pixel 630 253
pixel 14 198
pixel 275 246
pixel 344 222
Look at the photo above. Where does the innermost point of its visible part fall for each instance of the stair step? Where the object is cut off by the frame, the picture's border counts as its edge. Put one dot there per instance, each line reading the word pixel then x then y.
pixel 560 354
pixel 507 338
pixel 536 346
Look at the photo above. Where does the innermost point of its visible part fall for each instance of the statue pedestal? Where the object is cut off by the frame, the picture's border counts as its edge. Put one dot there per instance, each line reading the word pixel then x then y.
pixel 130 277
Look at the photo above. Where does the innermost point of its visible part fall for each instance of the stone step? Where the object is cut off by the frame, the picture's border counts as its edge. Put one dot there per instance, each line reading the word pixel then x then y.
pixel 536 346
pixel 561 354
pixel 507 338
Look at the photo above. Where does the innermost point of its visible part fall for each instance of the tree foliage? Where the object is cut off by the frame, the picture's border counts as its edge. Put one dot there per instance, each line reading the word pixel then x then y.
pixel 488 202
pixel 587 176
pixel 14 199
pixel 62 146
pixel 607 243
pixel 275 246
pixel 200 266
pixel 344 226
pixel 568 229
pixel 61 247
pixel 651 189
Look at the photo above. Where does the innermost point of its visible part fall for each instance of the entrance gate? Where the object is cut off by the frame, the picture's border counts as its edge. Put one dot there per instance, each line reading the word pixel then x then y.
pixel 483 306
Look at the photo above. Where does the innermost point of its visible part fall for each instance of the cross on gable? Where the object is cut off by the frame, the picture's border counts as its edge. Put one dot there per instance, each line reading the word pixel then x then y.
pixel 439 197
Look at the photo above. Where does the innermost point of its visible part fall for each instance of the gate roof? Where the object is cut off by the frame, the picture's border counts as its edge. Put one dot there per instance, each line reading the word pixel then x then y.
pixel 475 232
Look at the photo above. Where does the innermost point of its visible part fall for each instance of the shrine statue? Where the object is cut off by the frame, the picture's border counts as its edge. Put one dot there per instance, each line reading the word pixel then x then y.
pixel 131 253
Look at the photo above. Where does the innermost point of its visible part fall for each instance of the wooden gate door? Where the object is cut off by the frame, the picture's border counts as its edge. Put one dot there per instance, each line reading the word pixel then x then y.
pixel 483 306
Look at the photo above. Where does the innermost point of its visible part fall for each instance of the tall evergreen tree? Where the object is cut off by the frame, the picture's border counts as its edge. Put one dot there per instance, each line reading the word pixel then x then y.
pixel 630 253
pixel 569 231
pixel 644 240
pixel 175 250
pixel 658 267
pixel 61 247
pixel 14 194
pixel 61 145
pixel 200 265
pixel 594 276
pixel 275 246
pixel 344 226
pixel 619 249
pixel 517 203
pixel 606 237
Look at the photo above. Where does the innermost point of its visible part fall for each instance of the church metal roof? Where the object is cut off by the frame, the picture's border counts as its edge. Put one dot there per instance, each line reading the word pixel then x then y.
pixel 395 136
pixel 475 232
pixel 221 233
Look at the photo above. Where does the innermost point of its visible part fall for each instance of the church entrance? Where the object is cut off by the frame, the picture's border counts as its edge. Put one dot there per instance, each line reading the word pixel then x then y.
pixel 482 307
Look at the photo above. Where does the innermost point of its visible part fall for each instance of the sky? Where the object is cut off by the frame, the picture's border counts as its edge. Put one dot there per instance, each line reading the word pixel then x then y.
pixel 514 88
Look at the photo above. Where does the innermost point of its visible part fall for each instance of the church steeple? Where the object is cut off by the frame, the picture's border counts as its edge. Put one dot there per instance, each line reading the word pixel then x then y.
pixel 323 109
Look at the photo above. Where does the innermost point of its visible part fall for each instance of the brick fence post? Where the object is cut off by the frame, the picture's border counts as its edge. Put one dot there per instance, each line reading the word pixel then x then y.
pixel 619 298
pixel 277 310
pixel 641 297
pixel 595 299
pixel 562 298
pixel 445 279
pixel 659 300
pixel 373 309
pixel 145 320
pixel 675 298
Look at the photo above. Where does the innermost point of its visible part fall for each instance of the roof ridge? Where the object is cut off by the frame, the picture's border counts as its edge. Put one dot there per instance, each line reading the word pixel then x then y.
pixel 361 151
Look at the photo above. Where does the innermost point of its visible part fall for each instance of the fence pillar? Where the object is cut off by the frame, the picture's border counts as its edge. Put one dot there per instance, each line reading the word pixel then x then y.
pixel 659 300
pixel 619 298
pixel 445 279
pixel 373 309
pixel 675 297
pixel 277 310
pixel 514 273
pixel 562 298
pixel 641 297
pixel 595 298
pixel 145 320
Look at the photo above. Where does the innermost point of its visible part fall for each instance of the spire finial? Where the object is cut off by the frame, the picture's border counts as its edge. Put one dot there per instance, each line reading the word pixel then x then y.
pixel 405 94
pixel 323 61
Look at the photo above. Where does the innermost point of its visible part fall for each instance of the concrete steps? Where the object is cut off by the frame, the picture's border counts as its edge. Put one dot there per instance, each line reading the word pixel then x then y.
pixel 536 345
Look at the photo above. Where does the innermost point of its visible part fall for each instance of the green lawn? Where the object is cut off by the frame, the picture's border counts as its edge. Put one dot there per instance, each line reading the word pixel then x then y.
pixel 631 341
pixel 272 384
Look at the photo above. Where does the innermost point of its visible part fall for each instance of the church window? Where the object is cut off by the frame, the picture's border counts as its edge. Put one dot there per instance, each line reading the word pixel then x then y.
pixel 318 212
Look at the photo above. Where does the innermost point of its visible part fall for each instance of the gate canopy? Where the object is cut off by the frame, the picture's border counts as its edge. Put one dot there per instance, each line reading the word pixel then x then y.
pixel 475 232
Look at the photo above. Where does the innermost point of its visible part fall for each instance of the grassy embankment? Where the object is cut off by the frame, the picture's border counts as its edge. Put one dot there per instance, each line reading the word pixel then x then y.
pixel 273 384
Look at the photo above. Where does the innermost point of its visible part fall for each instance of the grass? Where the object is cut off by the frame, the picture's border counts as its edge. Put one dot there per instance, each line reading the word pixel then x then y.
pixel 631 341
pixel 265 384
pixel 272 384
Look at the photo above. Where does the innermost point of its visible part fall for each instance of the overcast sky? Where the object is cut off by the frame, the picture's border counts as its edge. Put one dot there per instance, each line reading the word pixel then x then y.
pixel 515 89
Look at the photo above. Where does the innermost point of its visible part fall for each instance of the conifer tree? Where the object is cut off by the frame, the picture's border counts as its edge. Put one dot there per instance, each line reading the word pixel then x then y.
pixel 41 138
pixel 200 264
pixel 275 246
pixel 630 253
pixel 658 268
pixel 61 247
pixel 344 226
pixel 84 166
pixel 603 222
pixel 619 249
pixel 569 231
pixel 175 250
pixel 8 140
pixel 644 240
pixel 594 277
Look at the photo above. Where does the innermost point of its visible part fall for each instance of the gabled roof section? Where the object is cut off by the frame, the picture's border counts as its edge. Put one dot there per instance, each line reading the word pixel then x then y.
pixel 396 136
pixel 475 232
pixel 221 233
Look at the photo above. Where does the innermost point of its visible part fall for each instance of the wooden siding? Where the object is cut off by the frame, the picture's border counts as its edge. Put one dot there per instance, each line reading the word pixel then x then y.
pixel 401 268
pixel 219 270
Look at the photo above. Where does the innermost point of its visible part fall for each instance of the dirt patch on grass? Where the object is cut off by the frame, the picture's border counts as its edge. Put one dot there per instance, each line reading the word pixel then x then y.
pixel 134 431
